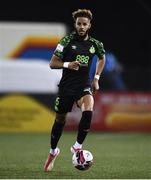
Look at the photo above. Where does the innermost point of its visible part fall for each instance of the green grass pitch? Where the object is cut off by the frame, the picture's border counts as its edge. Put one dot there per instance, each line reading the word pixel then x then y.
pixel 116 156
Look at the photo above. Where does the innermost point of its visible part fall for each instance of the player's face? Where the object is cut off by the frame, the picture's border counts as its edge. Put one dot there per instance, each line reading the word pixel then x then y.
pixel 82 25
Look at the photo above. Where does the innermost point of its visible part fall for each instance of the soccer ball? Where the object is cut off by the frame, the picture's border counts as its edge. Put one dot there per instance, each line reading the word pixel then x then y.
pixel 82 159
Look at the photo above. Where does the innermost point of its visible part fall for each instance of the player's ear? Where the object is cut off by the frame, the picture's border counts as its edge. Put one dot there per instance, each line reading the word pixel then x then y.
pixel 75 25
pixel 89 25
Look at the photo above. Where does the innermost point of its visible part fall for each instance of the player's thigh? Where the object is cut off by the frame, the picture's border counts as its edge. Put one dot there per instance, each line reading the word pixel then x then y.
pixel 63 104
pixel 86 103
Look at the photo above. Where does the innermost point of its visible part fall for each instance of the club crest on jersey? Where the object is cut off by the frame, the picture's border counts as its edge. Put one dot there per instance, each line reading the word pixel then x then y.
pixel 73 47
pixel 92 50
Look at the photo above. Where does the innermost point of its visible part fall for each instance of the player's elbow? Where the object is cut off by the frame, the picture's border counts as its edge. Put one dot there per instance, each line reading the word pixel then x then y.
pixel 51 65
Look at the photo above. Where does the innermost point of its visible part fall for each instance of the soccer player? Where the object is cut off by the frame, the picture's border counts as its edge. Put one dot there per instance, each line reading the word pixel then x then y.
pixel 74 55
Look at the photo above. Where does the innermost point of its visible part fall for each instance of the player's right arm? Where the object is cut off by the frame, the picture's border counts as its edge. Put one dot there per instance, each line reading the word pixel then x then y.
pixel 57 62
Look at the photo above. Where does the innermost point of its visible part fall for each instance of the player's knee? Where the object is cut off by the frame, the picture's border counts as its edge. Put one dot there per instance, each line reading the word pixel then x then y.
pixel 87 104
pixel 88 108
pixel 61 118
pixel 86 120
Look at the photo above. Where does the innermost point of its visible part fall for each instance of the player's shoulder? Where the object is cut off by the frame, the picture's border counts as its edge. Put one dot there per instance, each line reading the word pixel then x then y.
pixel 95 41
pixel 66 40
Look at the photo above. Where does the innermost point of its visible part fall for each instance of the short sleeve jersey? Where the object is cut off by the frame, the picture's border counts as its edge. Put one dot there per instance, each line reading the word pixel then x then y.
pixel 71 48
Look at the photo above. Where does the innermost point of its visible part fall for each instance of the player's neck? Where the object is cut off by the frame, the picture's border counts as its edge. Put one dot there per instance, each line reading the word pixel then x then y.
pixel 83 38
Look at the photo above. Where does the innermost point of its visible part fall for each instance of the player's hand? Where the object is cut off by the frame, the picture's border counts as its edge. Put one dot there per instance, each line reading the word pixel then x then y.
pixel 95 85
pixel 74 65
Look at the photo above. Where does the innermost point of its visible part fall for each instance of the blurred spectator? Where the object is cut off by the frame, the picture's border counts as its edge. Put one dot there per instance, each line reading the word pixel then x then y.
pixel 111 78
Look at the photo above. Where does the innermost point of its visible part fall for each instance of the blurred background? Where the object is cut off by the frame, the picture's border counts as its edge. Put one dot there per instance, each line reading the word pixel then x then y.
pixel 29 33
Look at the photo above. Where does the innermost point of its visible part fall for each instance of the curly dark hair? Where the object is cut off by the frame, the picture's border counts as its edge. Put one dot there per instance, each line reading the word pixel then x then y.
pixel 82 13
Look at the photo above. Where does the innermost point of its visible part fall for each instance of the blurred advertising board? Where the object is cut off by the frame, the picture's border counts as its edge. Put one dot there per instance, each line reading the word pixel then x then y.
pixel 28 76
pixel 25 113
pixel 117 112
pixel 27 84
pixel 113 112
pixel 29 40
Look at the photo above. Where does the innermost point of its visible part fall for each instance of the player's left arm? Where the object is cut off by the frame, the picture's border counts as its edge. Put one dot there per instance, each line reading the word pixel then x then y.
pixel 99 69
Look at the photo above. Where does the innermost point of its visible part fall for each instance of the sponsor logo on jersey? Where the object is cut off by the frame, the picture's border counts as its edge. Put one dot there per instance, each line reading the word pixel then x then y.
pixel 82 59
pixel 92 50
pixel 59 48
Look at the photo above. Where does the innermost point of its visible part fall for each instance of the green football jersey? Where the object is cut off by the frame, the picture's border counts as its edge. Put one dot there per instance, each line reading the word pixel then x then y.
pixel 72 48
